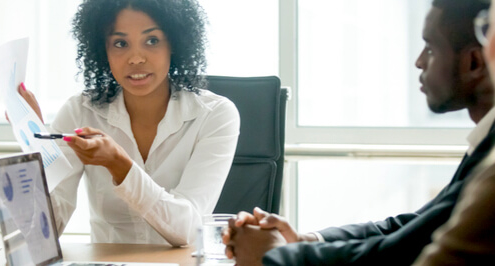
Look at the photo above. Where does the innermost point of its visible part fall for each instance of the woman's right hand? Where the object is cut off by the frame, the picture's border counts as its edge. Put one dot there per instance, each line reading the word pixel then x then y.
pixel 30 99
pixel 101 150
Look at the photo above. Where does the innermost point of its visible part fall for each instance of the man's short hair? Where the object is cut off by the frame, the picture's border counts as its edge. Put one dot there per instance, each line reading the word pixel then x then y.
pixel 457 20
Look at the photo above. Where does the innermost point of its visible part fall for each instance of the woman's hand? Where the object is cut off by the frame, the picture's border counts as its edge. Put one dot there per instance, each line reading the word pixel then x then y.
pixel 30 99
pixel 95 148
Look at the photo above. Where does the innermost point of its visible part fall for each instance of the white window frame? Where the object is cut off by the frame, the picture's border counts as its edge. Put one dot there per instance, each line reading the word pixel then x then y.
pixel 304 143
pixel 343 135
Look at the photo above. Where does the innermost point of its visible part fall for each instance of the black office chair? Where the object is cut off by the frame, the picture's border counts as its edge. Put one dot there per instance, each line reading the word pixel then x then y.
pixel 255 178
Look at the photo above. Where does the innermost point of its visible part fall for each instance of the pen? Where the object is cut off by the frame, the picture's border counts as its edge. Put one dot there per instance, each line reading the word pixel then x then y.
pixel 46 135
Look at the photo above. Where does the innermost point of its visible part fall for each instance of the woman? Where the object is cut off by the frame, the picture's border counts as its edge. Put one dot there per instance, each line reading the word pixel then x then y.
pixel 164 146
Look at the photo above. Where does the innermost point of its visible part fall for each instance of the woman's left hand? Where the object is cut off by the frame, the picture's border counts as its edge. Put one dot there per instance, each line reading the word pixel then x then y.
pixel 30 99
pixel 95 148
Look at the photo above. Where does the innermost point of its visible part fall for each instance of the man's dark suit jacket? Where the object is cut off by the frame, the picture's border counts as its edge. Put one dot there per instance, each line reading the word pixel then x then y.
pixel 394 241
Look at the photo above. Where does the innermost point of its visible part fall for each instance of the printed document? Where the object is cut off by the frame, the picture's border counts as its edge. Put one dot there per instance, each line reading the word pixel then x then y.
pixel 24 121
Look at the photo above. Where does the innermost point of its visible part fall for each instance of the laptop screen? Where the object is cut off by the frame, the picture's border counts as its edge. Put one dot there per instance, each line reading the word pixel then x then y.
pixel 26 216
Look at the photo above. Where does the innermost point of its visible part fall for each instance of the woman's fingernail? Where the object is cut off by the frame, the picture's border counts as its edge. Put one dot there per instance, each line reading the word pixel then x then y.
pixel 23 87
pixel 78 130
pixel 67 138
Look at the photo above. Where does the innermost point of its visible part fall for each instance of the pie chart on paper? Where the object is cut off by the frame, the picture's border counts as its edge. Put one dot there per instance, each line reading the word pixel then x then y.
pixel 45 229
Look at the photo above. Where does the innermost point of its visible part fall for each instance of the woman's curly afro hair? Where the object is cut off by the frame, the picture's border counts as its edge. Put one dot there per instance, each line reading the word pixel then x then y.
pixel 182 21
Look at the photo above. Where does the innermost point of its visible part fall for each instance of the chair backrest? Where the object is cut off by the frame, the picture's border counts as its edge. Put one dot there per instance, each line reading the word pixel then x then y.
pixel 255 178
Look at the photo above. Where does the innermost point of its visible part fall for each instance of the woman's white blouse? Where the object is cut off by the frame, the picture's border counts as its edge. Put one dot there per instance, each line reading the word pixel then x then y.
pixel 160 201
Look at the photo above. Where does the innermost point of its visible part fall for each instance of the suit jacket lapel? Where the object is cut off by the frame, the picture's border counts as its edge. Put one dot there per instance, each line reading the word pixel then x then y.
pixel 468 162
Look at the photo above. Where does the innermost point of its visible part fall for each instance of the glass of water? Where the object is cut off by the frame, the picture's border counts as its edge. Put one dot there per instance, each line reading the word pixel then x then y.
pixel 213 225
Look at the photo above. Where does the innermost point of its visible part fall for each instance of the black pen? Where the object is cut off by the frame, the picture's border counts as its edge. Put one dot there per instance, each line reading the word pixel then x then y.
pixel 46 135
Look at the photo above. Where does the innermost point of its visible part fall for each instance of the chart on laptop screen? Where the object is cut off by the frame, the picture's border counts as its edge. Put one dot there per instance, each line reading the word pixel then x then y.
pixel 25 209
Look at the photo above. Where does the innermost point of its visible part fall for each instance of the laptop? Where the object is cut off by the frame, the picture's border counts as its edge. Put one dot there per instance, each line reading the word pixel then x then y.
pixel 26 215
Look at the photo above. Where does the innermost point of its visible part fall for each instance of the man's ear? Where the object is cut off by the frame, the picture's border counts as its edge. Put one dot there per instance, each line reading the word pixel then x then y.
pixel 472 62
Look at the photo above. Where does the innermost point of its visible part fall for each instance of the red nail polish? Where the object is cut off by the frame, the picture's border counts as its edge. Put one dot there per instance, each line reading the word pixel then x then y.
pixel 22 86
pixel 67 138
pixel 78 130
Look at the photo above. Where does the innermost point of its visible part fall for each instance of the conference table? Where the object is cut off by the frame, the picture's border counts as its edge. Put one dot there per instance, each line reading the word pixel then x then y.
pixel 128 253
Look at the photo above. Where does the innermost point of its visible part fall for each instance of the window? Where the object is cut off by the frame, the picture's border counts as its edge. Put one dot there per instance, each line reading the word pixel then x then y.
pixel 340 191
pixel 356 65
pixel 352 72
pixel 243 37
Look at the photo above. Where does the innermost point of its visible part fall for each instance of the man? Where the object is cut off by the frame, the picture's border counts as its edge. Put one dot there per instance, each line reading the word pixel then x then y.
pixel 454 77
pixel 468 237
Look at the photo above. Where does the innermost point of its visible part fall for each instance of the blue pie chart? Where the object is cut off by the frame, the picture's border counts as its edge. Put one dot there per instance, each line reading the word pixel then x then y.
pixel 7 187
pixel 24 137
pixel 45 229
pixel 33 127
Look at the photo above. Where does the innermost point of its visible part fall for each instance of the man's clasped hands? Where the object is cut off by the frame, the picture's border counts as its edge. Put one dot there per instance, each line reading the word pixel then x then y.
pixel 265 229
